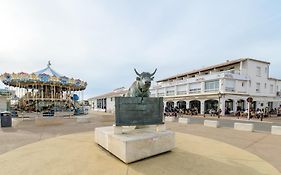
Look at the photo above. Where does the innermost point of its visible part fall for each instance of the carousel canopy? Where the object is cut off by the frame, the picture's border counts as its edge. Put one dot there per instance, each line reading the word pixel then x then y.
pixel 48 71
pixel 45 76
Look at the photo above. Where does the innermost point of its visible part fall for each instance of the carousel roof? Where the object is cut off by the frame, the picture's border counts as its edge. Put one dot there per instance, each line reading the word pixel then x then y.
pixel 48 70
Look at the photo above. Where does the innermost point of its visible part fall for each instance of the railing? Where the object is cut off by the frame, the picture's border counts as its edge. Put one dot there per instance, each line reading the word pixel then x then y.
pixel 215 75
pixel 211 90
pixel 170 93
pixel 181 92
pixel 194 91
pixel 229 89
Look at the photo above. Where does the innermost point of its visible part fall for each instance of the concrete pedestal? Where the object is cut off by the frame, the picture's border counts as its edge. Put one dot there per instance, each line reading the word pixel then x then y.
pixel 244 126
pixel 170 119
pixel 82 119
pixel 184 120
pixel 276 130
pixel 212 123
pixel 136 144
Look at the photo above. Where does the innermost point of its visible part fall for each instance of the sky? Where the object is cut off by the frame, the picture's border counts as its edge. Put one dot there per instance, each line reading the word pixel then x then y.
pixel 102 41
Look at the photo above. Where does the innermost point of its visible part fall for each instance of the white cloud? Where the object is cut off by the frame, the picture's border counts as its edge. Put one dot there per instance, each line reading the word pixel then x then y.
pixel 102 41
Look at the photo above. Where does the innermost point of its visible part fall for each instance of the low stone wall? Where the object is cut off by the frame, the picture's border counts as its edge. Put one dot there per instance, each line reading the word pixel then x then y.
pixel 46 121
pixel 170 119
pixel 276 130
pixel 212 123
pixel 184 120
pixel 244 126
pixel 82 119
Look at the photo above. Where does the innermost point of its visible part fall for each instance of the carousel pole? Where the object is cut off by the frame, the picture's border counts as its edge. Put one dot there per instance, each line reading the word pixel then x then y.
pixel 9 103
pixel 32 92
pixel 26 94
pixel 20 99
pixel 52 92
pixel 83 105
pixel 42 92
pixel 55 95
pixel 36 85
pixel 19 91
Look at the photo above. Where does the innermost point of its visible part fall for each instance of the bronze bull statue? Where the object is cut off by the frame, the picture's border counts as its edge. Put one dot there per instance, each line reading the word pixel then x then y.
pixel 140 87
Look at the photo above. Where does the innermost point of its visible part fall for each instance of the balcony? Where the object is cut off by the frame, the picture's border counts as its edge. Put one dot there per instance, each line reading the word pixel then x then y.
pixel 212 90
pixel 201 78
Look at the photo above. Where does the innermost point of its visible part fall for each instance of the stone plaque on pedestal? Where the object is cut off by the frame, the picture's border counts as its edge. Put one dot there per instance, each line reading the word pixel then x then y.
pixel 138 111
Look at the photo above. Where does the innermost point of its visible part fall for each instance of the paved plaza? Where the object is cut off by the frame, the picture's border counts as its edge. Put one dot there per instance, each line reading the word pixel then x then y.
pixel 70 148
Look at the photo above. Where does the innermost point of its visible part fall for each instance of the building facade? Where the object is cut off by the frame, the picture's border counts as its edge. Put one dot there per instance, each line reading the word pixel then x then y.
pixel 106 102
pixel 6 96
pixel 225 86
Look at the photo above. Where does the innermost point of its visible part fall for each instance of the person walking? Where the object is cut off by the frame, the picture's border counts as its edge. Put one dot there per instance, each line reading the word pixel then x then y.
pixel 219 112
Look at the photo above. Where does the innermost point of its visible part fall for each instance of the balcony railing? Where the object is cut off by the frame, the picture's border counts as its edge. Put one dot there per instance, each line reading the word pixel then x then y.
pixel 229 89
pixel 215 75
pixel 211 90
pixel 181 92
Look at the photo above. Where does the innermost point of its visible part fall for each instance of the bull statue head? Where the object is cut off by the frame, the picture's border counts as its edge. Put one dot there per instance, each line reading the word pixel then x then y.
pixel 145 79
pixel 140 87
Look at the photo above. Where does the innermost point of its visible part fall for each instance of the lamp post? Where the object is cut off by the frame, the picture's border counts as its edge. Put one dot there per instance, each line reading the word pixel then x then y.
pixel 249 100
pixel 219 104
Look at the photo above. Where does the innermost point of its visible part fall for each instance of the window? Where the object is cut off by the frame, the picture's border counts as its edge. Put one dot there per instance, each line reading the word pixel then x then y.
pixel 181 89
pixel 258 87
pixel 264 85
pixel 194 87
pixel 229 85
pixel 265 71
pixel 258 73
pixel 211 85
pixel 242 84
pixel 271 88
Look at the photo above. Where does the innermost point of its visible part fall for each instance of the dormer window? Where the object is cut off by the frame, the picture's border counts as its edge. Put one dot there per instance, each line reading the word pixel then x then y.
pixel 258 73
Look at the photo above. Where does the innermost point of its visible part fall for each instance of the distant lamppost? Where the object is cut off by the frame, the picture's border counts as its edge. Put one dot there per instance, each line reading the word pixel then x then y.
pixel 219 104
pixel 219 95
pixel 249 100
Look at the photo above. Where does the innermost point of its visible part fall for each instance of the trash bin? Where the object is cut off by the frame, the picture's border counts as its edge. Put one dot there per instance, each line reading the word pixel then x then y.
pixel 6 119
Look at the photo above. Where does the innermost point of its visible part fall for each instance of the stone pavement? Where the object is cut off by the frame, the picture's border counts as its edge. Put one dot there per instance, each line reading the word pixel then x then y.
pixel 78 154
pixel 264 145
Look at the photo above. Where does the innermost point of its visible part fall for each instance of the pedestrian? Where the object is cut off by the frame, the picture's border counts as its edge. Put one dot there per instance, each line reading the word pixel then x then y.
pixel 262 114
pixel 219 112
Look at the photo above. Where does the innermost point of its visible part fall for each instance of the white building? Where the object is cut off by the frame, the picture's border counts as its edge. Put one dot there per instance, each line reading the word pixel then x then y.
pixel 106 102
pixel 5 99
pixel 226 85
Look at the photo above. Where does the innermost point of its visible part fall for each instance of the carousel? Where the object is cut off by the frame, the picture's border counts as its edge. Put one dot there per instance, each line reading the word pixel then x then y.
pixel 44 90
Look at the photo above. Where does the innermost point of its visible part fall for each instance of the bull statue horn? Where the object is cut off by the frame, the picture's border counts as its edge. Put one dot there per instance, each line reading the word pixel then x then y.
pixel 154 72
pixel 136 72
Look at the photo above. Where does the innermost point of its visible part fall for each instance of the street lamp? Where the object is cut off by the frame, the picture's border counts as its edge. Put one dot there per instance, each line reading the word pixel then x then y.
pixel 249 100
pixel 219 104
